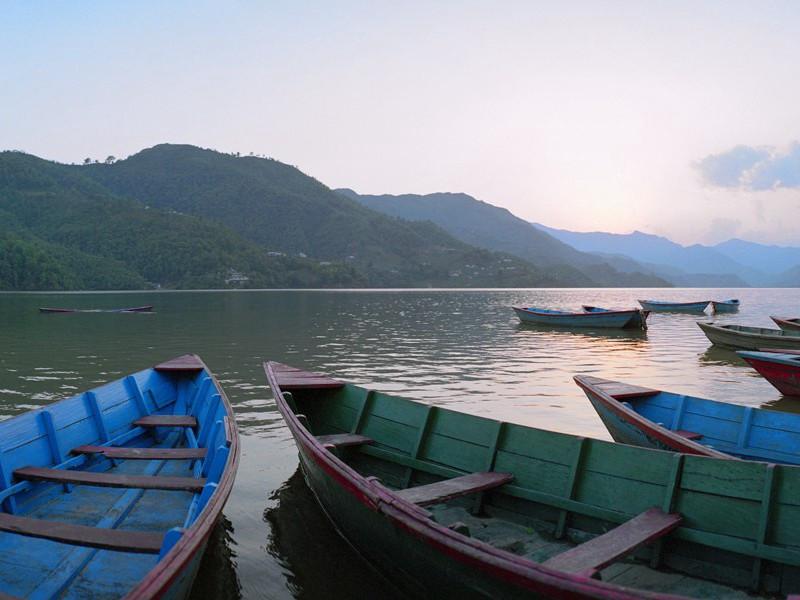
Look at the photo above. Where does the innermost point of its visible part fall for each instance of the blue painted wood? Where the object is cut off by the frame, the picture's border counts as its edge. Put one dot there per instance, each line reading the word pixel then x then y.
pixel 104 416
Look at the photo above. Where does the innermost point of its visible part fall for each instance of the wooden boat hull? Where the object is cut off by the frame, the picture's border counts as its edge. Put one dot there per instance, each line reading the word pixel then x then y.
pixel 637 321
pixel 718 306
pixel 750 338
pixel 787 324
pixel 606 319
pixel 93 310
pixel 655 419
pixel 781 370
pixel 687 307
pixel 143 467
pixel 398 451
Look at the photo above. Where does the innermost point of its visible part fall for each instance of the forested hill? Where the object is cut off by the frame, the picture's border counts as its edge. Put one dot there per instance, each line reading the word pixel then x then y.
pixel 59 229
pixel 283 210
pixel 495 228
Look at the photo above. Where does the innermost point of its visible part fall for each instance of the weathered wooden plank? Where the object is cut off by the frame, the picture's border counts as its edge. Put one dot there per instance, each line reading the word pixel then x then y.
pixel 166 421
pixel 142 453
pixel 187 362
pixel 618 390
pixel 141 542
pixel 184 484
pixel 344 439
pixel 689 435
pixel 613 545
pixel 448 489
pixel 304 383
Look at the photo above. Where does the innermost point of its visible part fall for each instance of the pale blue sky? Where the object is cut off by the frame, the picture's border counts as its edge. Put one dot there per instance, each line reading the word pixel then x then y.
pixel 581 115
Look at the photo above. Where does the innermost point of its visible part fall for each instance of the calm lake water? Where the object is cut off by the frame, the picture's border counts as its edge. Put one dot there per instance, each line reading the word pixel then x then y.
pixel 461 348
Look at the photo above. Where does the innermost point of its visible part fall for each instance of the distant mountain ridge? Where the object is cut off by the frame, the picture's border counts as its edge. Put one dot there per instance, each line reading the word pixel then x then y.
pixel 747 262
pixel 494 228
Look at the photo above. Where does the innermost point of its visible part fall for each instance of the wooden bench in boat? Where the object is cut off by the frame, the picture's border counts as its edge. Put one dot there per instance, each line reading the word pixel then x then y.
pixel 456 487
pixel 619 390
pixel 290 378
pixel 588 558
pixel 341 440
pixel 181 484
pixel 167 421
pixel 143 453
pixel 122 540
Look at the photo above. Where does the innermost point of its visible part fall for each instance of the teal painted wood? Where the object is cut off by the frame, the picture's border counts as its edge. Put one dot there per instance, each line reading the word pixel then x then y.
pixel 740 519
pixel 750 338
pixel 78 565
pixel 665 306
pixel 653 420
pixel 639 320
pixel 601 319
pixel 725 306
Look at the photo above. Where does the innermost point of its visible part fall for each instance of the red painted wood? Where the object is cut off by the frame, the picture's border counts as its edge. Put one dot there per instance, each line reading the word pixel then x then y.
pixel 180 484
pixel 143 453
pixel 141 542
pixel 166 421
pixel 187 362
pixel 689 435
pixel 613 545
pixel 448 489
pixel 344 439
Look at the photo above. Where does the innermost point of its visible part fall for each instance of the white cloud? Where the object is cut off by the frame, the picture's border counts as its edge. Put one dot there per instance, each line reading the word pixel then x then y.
pixel 753 169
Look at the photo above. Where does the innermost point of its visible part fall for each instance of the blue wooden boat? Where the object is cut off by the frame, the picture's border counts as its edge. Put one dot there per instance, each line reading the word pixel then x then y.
pixel 720 306
pixel 662 306
pixel 652 418
pixel 606 319
pixel 451 505
pixel 637 321
pixel 132 309
pixel 114 492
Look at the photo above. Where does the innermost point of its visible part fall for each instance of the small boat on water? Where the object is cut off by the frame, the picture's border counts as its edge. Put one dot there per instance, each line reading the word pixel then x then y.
pixel 612 318
pixel 720 306
pixel 787 324
pixel 750 338
pixel 782 370
pixel 638 321
pixel 97 310
pixel 662 306
pixel 652 418
pixel 114 492
pixel 451 505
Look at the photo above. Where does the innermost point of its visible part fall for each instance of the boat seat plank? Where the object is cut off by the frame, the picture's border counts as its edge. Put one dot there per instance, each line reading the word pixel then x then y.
pixel 689 435
pixel 122 540
pixel 291 378
pixel 618 390
pixel 143 453
pixel 185 484
pixel 166 421
pixel 456 487
pixel 344 439
pixel 591 556
pixel 187 362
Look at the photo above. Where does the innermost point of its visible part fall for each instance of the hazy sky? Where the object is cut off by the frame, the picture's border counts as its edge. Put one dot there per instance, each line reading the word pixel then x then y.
pixel 675 118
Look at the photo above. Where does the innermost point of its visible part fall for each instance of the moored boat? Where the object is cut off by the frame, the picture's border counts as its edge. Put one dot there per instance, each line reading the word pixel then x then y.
pixel 114 492
pixel 637 321
pixel 782 370
pixel 656 419
pixel 664 306
pixel 720 306
pixel 95 310
pixel 450 505
pixel 787 324
pixel 750 338
pixel 614 319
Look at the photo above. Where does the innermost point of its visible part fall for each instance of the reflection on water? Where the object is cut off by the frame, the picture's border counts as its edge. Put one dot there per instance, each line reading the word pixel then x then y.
pixel 216 577
pixel 318 559
pixel 462 348
pixel 783 404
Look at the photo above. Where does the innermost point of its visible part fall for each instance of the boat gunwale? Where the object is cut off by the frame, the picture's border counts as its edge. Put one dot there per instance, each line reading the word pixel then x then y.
pixel 167 570
pixel 662 434
pixel 515 569
pixel 737 330
pixel 543 312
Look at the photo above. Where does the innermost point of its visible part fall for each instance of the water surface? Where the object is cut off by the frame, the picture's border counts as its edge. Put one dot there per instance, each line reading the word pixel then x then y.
pixel 461 348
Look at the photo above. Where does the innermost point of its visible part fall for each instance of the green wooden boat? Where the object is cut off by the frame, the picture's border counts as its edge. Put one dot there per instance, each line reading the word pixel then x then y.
pixel 750 338
pixel 450 505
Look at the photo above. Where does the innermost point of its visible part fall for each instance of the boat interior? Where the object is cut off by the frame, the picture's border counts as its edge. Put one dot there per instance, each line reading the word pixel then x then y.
pixel 641 518
pixel 97 488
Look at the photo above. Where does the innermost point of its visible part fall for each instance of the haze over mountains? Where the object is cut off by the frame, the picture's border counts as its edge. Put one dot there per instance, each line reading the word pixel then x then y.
pixel 178 216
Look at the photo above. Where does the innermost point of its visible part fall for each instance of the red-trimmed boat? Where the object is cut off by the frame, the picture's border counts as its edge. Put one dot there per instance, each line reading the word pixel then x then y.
pixel 450 505
pixel 781 369
pixel 787 324
pixel 114 492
